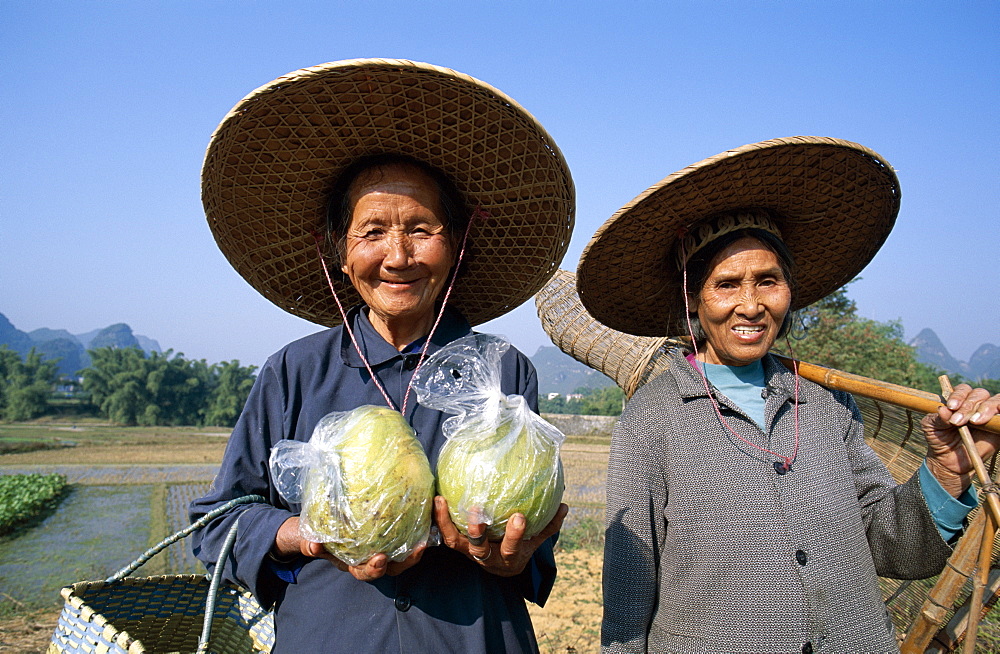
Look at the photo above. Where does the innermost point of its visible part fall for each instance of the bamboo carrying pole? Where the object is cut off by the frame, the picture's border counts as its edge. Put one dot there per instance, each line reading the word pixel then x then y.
pixel 908 398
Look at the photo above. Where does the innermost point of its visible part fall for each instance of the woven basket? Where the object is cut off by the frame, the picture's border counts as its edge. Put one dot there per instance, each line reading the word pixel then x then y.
pixel 134 615
pixel 629 360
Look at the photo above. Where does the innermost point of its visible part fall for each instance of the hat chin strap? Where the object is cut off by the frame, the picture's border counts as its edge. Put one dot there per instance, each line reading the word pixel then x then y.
pixel 477 214
pixel 781 467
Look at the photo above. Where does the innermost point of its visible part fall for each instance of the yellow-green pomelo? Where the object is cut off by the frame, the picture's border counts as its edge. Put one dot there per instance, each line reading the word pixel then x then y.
pixel 500 474
pixel 380 502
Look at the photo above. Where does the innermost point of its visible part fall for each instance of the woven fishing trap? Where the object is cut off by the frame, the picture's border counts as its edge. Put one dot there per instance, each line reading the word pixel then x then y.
pixel 931 615
pixel 164 613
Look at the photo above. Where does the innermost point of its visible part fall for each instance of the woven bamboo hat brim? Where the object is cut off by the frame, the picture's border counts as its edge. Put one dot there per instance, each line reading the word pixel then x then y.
pixel 629 360
pixel 833 201
pixel 273 160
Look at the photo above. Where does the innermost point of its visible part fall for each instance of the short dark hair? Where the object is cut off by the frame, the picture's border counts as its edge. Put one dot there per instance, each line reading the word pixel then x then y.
pixel 698 270
pixel 339 210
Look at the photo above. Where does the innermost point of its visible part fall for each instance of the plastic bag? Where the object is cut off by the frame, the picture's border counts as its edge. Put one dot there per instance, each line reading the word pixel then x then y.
pixel 363 481
pixel 501 458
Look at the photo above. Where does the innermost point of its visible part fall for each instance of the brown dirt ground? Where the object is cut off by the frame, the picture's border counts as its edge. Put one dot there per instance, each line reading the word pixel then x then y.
pixel 571 619
pixel 28 633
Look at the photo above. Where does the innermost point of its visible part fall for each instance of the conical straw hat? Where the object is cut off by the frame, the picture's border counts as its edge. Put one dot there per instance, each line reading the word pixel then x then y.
pixel 832 201
pixel 276 155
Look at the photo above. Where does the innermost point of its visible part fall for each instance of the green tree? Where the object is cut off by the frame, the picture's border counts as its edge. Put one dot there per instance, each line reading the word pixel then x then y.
pixel 232 386
pixel 8 360
pixel 116 381
pixel 555 405
pixel 178 390
pixel 837 337
pixel 25 385
pixel 130 388
pixel 607 401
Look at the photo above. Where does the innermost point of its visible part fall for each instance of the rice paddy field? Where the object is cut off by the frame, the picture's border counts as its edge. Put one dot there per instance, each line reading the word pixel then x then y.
pixel 130 488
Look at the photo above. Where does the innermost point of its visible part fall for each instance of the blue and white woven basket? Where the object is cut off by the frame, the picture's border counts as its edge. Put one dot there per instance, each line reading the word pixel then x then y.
pixel 166 613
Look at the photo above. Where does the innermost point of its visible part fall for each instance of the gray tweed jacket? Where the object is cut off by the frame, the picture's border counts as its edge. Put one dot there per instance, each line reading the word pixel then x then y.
pixel 709 549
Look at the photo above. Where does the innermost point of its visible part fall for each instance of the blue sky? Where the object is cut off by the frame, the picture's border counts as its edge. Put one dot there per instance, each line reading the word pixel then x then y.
pixel 107 108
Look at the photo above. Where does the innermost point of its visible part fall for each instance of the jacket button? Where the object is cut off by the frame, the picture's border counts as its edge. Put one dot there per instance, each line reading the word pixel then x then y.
pixel 410 361
pixel 403 603
pixel 801 557
pixel 807 648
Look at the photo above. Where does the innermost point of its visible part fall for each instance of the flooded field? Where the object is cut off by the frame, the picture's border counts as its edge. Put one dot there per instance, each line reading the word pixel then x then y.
pixel 111 516
pixel 96 529
pixel 585 471
pixel 114 513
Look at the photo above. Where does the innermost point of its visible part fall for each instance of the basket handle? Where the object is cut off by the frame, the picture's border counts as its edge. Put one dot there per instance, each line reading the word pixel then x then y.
pixel 213 588
pixel 170 540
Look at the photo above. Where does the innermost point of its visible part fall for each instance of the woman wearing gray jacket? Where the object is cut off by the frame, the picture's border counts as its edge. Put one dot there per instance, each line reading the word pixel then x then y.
pixel 745 511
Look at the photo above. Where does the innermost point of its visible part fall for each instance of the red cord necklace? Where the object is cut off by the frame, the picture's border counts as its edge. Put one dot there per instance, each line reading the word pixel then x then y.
pixel 781 467
pixel 478 213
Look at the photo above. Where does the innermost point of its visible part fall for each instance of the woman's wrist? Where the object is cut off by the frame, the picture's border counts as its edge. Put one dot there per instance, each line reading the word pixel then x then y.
pixel 287 545
pixel 953 482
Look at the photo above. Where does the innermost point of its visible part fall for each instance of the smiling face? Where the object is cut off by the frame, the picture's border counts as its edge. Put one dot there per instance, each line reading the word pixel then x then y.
pixel 398 250
pixel 742 303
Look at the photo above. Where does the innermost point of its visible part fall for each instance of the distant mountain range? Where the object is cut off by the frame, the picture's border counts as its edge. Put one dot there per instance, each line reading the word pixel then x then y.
pixel 71 349
pixel 984 363
pixel 557 371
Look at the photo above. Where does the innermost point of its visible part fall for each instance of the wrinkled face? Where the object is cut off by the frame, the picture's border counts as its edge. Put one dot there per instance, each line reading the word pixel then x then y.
pixel 742 303
pixel 398 251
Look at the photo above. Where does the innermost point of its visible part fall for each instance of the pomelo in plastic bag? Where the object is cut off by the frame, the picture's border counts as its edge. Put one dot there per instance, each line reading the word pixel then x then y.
pixel 491 475
pixel 501 457
pixel 364 483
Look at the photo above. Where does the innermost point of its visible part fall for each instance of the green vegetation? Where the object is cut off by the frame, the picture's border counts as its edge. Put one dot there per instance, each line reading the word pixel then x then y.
pixel 24 499
pixel 607 401
pixel 835 336
pixel 24 385
pixel 127 387
pixel 130 388
pixel 585 534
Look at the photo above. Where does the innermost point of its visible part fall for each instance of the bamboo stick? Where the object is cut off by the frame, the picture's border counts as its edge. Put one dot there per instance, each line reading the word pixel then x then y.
pixel 992 501
pixel 953 632
pixel 979 585
pixel 908 398
pixel 941 597
pixel 989 529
